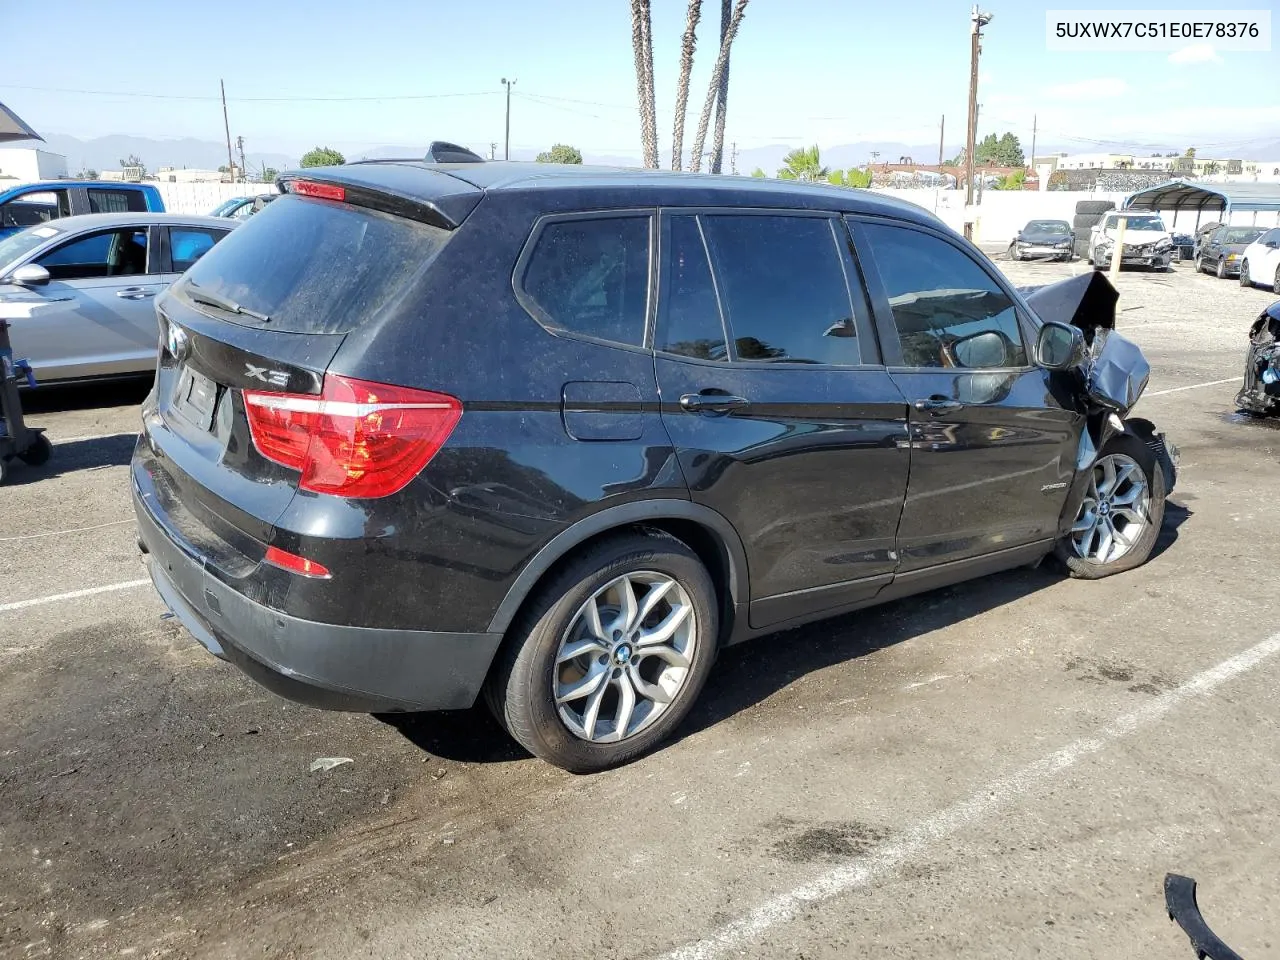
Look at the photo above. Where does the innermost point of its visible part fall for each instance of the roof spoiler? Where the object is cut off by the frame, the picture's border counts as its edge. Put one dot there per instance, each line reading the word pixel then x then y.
pixel 441 151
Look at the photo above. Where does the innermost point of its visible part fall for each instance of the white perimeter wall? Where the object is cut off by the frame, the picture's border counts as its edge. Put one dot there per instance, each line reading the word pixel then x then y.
pixel 199 198
pixel 1003 213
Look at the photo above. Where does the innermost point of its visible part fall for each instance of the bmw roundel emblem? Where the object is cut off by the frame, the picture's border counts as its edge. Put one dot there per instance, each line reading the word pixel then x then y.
pixel 177 341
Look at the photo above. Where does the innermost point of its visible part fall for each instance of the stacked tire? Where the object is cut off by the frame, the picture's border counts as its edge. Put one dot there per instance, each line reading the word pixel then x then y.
pixel 1089 213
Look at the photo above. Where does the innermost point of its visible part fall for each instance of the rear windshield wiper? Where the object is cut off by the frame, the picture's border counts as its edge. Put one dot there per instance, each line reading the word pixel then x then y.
pixel 199 295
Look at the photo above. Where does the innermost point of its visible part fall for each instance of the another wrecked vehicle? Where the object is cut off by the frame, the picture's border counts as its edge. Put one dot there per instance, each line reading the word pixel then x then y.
pixel 1261 392
pixel 1043 240
pixel 698 410
pixel 1147 242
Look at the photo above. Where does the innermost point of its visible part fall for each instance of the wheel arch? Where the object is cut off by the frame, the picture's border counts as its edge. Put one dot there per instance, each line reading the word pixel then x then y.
pixel 702 529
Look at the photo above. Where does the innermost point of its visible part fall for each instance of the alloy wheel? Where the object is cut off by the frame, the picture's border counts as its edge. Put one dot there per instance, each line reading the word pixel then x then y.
pixel 1115 511
pixel 624 657
pixel 1244 275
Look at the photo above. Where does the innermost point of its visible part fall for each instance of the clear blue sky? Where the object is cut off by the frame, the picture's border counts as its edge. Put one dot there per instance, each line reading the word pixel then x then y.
pixel 825 71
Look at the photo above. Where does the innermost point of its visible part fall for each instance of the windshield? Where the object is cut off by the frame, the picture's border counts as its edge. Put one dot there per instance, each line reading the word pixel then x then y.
pixel 1242 235
pixel 15 247
pixel 1056 227
pixel 1137 223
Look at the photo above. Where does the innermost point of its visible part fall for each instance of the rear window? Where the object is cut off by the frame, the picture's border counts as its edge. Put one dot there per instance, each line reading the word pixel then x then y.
pixel 314 266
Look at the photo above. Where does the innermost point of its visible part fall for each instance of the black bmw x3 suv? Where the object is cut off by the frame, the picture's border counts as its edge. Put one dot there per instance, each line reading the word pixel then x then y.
pixel 557 434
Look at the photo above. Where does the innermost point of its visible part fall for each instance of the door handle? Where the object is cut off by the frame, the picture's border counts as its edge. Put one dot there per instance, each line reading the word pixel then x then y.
pixel 134 293
pixel 937 405
pixel 707 402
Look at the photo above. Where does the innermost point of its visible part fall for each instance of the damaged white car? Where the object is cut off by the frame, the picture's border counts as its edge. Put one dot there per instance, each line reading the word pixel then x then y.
pixel 1147 241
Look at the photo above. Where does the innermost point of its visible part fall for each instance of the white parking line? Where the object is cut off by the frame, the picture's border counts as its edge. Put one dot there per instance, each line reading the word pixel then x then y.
pixel 73 595
pixel 915 841
pixel 1194 386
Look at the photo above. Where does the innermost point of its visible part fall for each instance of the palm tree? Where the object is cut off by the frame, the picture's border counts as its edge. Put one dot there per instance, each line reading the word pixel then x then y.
pixel 722 98
pixel 642 41
pixel 687 46
pixel 803 164
pixel 722 63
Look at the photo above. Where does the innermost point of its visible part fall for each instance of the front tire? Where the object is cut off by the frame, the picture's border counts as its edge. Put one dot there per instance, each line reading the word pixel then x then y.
pixel 1244 274
pixel 609 658
pixel 1275 286
pixel 1119 519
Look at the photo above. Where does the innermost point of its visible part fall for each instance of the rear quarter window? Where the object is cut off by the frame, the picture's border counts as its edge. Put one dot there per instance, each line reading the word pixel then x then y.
pixel 314 266
pixel 590 276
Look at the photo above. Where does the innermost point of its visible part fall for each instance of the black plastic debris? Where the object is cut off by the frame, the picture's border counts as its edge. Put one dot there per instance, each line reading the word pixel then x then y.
pixel 1180 900
pixel 1261 391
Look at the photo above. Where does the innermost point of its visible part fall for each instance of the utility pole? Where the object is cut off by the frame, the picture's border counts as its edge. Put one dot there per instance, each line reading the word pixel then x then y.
pixel 226 126
pixel 1035 124
pixel 240 147
pixel 942 137
pixel 733 159
pixel 979 20
pixel 506 152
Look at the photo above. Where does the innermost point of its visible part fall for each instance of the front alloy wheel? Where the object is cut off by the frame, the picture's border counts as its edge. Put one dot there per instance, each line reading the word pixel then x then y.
pixel 1114 513
pixel 624 657
pixel 1244 275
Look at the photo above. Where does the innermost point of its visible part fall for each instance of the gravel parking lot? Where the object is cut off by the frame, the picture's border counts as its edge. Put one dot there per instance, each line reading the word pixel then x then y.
pixel 1006 768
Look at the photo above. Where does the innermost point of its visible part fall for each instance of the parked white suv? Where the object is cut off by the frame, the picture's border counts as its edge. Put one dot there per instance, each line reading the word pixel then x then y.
pixel 1147 242
pixel 1260 262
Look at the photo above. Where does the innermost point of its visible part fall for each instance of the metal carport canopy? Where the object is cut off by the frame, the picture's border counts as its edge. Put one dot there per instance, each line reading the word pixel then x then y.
pixel 1188 195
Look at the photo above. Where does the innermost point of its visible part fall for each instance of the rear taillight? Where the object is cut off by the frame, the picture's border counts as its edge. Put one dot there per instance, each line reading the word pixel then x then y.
pixel 325 191
pixel 357 439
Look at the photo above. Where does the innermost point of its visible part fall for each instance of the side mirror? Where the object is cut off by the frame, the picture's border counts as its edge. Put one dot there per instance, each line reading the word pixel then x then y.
pixel 1059 346
pixel 30 275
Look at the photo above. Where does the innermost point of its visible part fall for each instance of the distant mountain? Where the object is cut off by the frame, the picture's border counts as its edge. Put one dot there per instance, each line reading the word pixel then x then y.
pixel 105 153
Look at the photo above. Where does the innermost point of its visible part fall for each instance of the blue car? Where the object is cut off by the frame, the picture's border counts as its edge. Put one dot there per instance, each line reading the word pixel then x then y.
pixel 32 204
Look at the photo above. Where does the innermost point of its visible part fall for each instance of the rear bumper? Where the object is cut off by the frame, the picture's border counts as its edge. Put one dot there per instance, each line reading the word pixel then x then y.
pixel 335 667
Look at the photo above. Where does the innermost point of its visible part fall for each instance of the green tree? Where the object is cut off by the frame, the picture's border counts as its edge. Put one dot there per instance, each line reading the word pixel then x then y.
pixel 857 178
pixel 560 153
pixel 1211 168
pixel 1191 152
pixel 803 164
pixel 836 178
pixel 1003 151
pixel 758 173
pixel 1013 181
pixel 269 174
pixel 322 157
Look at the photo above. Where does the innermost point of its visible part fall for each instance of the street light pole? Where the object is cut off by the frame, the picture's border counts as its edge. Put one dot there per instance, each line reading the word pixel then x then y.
pixel 506 151
pixel 979 20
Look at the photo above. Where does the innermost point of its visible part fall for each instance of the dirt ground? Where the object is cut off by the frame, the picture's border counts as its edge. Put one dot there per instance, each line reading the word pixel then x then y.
pixel 1002 769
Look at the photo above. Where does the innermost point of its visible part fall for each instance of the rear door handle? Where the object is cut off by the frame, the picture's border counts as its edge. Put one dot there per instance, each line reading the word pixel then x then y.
pixel 936 405
pixel 712 403
pixel 134 293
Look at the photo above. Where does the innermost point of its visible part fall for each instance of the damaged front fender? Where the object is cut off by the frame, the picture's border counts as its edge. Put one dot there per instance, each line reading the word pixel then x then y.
pixel 1261 391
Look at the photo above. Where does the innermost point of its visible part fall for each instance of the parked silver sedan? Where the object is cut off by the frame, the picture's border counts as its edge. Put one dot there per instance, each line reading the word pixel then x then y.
pixel 79 292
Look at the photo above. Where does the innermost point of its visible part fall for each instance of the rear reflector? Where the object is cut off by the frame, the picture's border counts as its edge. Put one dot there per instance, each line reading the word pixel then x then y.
pixel 357 439
pixel 296 564
pixel 325 191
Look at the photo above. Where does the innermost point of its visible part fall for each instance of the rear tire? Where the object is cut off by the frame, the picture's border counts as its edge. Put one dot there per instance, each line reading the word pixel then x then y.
pixel 1275 286
pixel 1098 545
pixel 1244 274
pixel 581 733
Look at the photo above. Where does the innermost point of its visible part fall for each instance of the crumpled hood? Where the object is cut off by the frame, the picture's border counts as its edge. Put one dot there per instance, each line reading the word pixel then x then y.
pixel 1087 301
pixel 1137 237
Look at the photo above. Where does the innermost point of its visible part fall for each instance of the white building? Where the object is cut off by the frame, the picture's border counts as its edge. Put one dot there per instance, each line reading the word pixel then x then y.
pixel 31 163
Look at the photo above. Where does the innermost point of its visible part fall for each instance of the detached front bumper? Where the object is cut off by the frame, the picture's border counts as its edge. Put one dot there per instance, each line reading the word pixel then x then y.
pixel 335 667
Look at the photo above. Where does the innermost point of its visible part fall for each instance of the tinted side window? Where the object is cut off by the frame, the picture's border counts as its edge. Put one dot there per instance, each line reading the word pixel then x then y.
pixel 783 288
pixel 942 300
pixel 115 253
pixel 189 244
pixel 1271 236
pixel 690 325
pixel 116 201
pixel 591 277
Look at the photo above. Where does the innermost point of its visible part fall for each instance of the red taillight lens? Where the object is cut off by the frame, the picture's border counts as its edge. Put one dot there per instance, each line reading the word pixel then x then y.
pixel 296 564
pixel 357 439
pixel 325 191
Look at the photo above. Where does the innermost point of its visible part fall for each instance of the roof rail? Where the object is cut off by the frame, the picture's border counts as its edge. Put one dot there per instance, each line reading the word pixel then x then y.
pixel 441 151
